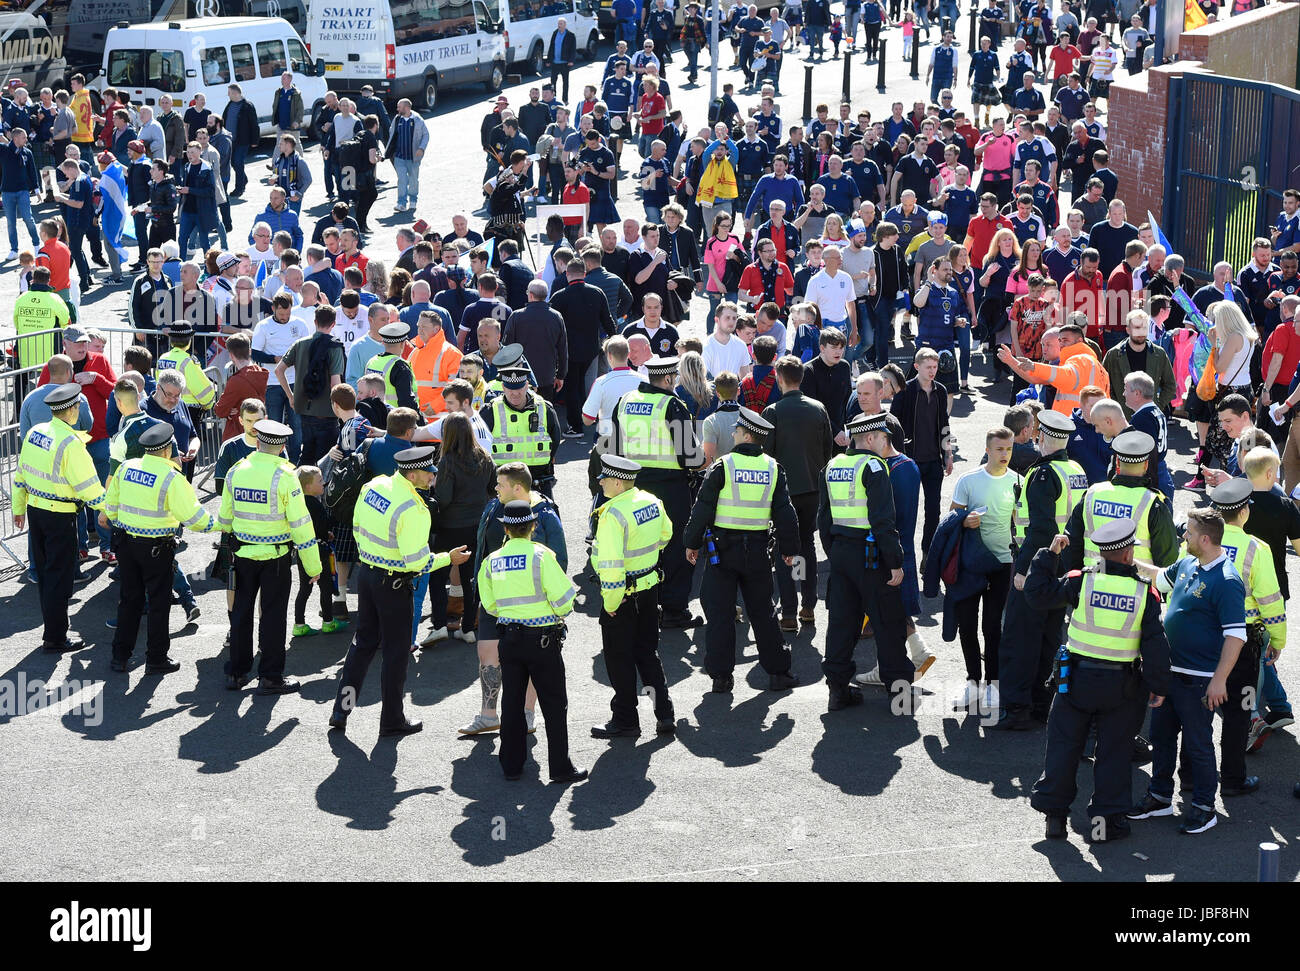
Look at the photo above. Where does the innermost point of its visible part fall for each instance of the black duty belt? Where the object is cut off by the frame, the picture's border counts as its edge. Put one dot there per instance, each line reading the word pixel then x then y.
pixel 1091 662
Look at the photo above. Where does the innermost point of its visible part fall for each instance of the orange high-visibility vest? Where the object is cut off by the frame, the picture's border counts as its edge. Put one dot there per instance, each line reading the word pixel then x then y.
pixel 434 364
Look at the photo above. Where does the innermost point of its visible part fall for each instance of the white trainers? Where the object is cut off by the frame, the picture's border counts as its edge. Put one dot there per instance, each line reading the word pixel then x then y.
pixel 13 255
pixel 871 678
pixel 991 700
pixel 968 697
pixel 481 723
pixel 467 636
pixel 532 721
pixel 438 634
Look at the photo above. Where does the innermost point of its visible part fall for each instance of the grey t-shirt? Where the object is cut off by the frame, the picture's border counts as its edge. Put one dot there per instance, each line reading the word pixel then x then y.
pixel 929 251
pixel 718 429
pixel 299 358
pixel 862 261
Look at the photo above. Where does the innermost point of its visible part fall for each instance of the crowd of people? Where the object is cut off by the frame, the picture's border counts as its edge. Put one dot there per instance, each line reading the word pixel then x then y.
pixel 842 280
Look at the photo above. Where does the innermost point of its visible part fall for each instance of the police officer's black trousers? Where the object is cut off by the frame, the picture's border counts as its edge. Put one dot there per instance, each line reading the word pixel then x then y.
pixel 144 571
pixel 744 563
pixel 630 643
pixel 385 607
pixel 1117 701
pixel 1243 681
pixel 853 593
pixel 525 654
pixel 54 554
pixel 270 580
pixel 1030 640
pixel 675 588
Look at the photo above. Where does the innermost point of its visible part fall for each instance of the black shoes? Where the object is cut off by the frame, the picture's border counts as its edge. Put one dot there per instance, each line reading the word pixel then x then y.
pixel 1113 828
pixel 1149 807
pixel 1248 785
pixel 276 686
pixel 338 723
pixel 615 730
pixel 722 684
pixel 1014 720
pixel 1056 828
pixel 1197 820
pixel 666 726
pixel 678 620
pixel 407 727
pixel 236 682
pixel 843 696
pixel 70 643
pixel 574 774
pixel 165 666
pixel 116 665
pixel 782 682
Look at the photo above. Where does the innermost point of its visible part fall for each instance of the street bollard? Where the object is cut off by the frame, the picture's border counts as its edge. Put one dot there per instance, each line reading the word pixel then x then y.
pixel 848 70
pixel 1269 857
pixel 807 93
pixel 880 68
pixel 916 56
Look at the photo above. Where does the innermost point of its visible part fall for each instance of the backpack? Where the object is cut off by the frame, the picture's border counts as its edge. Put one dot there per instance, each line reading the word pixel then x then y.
pixel 316 381
pixel 345 481
pixel 352 155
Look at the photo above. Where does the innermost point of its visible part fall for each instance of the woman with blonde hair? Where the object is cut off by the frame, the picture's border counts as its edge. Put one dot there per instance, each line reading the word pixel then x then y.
pixel 833 231
pixel 1000 262
pixel 1234 344
pixel 377 279
pixel 694 387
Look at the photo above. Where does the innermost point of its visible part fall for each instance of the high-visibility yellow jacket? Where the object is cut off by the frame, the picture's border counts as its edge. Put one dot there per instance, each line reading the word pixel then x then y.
pixel 150 497
pixel 199 391
pixel 55 471
pixel 391 526
pixel 633 527
pixel 263 507
pixel 522 583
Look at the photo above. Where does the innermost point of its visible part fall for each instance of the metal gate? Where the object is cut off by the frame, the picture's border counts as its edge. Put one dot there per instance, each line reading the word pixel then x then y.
pixel 1234 147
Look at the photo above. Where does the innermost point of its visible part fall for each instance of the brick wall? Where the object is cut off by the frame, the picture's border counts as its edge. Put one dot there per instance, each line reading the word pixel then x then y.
pixel 1259 45
pixel 1245 46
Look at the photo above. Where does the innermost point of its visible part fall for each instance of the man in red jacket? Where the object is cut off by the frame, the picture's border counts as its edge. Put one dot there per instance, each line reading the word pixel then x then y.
pixel 95 375
pixel 247 381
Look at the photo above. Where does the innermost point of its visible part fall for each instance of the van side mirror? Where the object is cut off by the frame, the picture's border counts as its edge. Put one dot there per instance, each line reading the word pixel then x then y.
pixel 320 66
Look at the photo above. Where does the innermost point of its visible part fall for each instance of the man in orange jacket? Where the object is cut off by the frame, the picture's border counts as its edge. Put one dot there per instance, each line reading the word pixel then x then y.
pixel 434 362
pixel 1077 365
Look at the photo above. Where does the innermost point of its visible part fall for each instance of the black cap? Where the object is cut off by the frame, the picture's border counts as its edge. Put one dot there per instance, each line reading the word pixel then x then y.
pixel 860 424
pixel 1114 535
pixel 158 438
pixel 1053 424
pixel 518 512
pixel 420 457
pixel 617 467
pixel 754 423
pixel 1133 446
pixel 62 396
pixel 272 432
pixel 513 377
pixel 508 356
pixel 1231 495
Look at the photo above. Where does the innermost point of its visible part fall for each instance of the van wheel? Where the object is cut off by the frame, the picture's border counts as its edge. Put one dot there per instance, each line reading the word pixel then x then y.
pixel 497 78
pixel 593 45
pixel 430 93
pixel 536 60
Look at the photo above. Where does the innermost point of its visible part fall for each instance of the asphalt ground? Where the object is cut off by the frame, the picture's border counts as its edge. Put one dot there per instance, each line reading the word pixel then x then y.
pixel 139 778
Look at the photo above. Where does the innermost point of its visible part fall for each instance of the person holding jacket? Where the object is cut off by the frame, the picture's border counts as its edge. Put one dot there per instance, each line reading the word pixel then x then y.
pixel 198 194
pixel 718 189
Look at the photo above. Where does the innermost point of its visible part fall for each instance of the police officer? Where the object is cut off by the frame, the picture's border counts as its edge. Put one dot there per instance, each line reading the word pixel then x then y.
pixel 399 379
pixel 200 394
pixel 511 355
pixel 859 531
pixel 1117 660
pixel 1125 496
pixel 148 498
pixel 522 585
pixel 391 524
pixel 55 474
pixel 743 496
pixel 263 509
pixel 1053 484
pixel 1265 630
pixel 653 427
pixel 632 528
pixel 524 428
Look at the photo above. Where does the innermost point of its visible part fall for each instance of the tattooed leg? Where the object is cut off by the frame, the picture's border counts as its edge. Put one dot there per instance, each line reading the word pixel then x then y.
pixel 489 676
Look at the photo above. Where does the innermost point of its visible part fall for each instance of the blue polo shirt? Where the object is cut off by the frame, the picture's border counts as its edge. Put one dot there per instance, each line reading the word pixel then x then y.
pixel 840 192
pixel 1206 604
pixel 1071 101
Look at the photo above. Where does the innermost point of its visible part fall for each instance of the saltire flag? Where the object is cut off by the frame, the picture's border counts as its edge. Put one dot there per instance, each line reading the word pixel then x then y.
pixel 113 217
pixel 1159 233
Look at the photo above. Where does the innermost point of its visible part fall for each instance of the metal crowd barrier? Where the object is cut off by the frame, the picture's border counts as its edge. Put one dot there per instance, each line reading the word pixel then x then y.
pixel 17 382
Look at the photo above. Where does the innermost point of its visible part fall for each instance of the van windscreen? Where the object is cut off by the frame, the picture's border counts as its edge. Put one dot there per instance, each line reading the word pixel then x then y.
pixel 137 68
